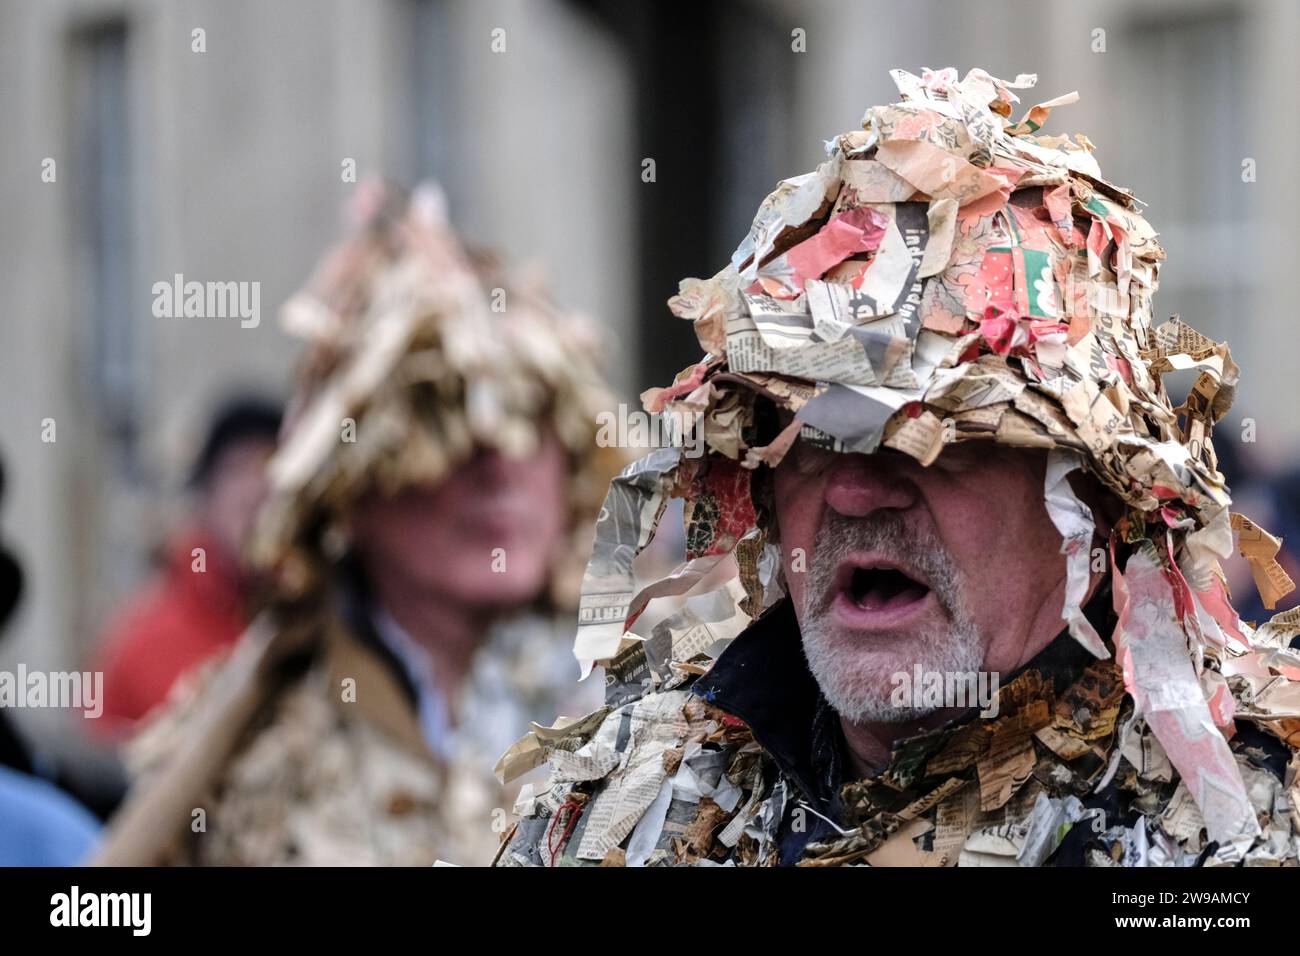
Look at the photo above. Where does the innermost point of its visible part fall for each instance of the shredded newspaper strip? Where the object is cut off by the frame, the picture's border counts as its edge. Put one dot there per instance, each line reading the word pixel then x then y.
pixel 948 274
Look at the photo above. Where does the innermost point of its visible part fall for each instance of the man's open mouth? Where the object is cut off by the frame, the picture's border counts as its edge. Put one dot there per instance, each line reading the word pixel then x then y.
pixel 873 593
pixel 875 588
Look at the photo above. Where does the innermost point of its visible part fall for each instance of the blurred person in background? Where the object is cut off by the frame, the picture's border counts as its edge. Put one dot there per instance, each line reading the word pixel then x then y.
pixel 40 824
pixel 197 604
pixel 422 538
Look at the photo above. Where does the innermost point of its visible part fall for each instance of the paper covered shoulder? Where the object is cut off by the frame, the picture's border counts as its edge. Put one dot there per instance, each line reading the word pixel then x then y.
pixel 665 779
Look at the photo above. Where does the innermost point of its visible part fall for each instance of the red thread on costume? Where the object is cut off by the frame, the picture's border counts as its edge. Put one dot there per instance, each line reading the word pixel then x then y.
pixel 574 809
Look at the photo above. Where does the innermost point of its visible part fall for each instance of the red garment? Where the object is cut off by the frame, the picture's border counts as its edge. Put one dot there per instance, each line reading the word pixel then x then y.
pixel 181 619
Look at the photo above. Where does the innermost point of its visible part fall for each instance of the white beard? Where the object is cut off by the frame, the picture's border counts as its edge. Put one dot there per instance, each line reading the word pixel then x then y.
pixel 857 679
pixel 859 683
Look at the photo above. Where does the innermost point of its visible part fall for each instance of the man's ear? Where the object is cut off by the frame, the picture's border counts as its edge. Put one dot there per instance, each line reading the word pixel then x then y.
pixel 1107 509
pixel 1105 506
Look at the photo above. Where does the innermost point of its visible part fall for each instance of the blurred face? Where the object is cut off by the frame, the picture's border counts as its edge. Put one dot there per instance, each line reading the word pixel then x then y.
pixel 235 490
pixel 485 537
pixel 955 567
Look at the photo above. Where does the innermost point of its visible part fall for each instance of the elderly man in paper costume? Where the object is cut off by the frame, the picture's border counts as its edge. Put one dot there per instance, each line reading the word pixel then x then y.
pixel 952 592
pixel 438 460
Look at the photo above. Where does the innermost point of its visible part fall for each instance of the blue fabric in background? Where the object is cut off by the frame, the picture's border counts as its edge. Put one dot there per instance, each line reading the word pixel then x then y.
pixel 40 825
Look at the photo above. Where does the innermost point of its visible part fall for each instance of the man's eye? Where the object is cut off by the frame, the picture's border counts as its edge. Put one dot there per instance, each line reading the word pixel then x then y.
pixel 947 461
pixel 809 459
pixel 962 456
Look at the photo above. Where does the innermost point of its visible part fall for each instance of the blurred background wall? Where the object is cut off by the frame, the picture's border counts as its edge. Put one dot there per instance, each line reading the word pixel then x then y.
pixel 226 165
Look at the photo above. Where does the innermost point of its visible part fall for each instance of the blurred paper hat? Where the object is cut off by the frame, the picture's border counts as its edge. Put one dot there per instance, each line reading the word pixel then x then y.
pixel 418 352
pixel 951 274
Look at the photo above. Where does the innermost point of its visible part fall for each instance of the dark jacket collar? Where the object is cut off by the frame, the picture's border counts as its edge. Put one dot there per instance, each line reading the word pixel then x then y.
pixel 763 679
pixel 356 604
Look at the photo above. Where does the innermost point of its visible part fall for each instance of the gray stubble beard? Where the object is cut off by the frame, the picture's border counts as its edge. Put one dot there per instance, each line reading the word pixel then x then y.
pixel 858 684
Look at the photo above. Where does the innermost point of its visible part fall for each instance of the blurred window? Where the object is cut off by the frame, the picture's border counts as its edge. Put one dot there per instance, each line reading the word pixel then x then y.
pixel 432 72
pixel 1188 97
pixel 101 152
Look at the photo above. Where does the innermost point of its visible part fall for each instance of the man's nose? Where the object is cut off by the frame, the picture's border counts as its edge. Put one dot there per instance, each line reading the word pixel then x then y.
pixel 493 468
pixel 861 484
